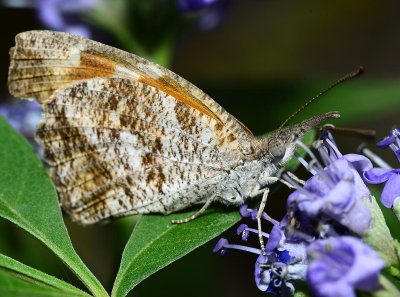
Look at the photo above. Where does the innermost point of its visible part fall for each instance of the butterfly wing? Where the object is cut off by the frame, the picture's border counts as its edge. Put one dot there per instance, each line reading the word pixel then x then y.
pixel 123 135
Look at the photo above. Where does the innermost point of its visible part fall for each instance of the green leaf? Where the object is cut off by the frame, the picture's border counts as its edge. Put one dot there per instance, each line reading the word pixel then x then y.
pixel 28 199
pixel 155 243
pixel 17 279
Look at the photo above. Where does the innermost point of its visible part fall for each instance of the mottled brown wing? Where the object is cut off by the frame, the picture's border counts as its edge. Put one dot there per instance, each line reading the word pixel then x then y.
pixel 45 61
pixel 123 135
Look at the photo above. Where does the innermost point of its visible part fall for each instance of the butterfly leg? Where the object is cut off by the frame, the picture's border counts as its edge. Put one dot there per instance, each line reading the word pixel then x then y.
pixel 281 176
pixel 259 215
pixel 296 179
pixel 272 179
pixel 197 213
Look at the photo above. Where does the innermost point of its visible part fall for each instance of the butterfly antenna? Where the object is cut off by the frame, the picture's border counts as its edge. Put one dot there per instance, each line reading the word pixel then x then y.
pixel 359 70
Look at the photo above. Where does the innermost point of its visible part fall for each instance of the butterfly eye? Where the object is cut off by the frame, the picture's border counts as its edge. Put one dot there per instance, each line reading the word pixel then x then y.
pixel 277 149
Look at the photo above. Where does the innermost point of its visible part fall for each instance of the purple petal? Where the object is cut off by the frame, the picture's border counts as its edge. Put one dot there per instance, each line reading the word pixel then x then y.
pixel 241 230
pixel 340 265
pixel 391 190
pixel 244 211
pixel 274 239
pixel 397 154
pixel 219 247
pixel 366 265
pixel 65 15
pixel 360 186
pixel 23 116
pixel 337 193
pixel 357 219
pixel 359 162
pixel 339 199
pixel 386 142
pixel 262 275
pixel 76 5
pixel 329 194
pixel 50 15
pixel 377 175
pixel 254 214
pixel 344 204
pixel 78 30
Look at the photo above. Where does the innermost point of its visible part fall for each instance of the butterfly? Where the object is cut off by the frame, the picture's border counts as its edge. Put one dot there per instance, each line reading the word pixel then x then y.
pixel 126 136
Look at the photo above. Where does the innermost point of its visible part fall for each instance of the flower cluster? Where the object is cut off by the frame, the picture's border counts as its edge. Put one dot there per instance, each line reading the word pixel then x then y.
pixel 333 235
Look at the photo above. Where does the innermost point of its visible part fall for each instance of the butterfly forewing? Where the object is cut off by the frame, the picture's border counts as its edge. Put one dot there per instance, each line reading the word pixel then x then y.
pixel 45 61
pixel 123 135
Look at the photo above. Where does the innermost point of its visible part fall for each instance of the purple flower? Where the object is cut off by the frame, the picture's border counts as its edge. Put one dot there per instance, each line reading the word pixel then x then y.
pixel 277 271
pixel 65 15
pixel 276 274
pixel 195 5
pixel 392 141
pixel 391 190
pixel 23 116
pixel 335 192
pixel 285 262
pixel 389 176
pixel 213 11
pixel 338 266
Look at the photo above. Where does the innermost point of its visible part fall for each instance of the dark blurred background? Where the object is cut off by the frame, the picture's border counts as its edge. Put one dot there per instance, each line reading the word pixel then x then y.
pixel 261 62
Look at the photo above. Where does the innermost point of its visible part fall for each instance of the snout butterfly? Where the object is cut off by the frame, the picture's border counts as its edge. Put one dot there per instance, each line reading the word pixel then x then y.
pixel 126 136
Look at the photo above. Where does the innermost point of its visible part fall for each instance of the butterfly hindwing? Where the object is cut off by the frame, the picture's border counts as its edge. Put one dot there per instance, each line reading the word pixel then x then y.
pixel 118 146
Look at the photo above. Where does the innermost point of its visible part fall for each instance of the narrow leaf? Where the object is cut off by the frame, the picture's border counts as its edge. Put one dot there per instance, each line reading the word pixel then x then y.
pixel 17 279
pixel 155 243
pixel 28 199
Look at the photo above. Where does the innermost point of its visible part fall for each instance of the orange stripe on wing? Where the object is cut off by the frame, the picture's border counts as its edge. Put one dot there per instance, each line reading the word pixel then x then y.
pixel 170 87
pixel 92 65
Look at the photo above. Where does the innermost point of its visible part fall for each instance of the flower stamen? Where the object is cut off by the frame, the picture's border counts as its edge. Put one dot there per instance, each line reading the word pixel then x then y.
pixel 373 157
pixel 223 244
pixel 244 231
